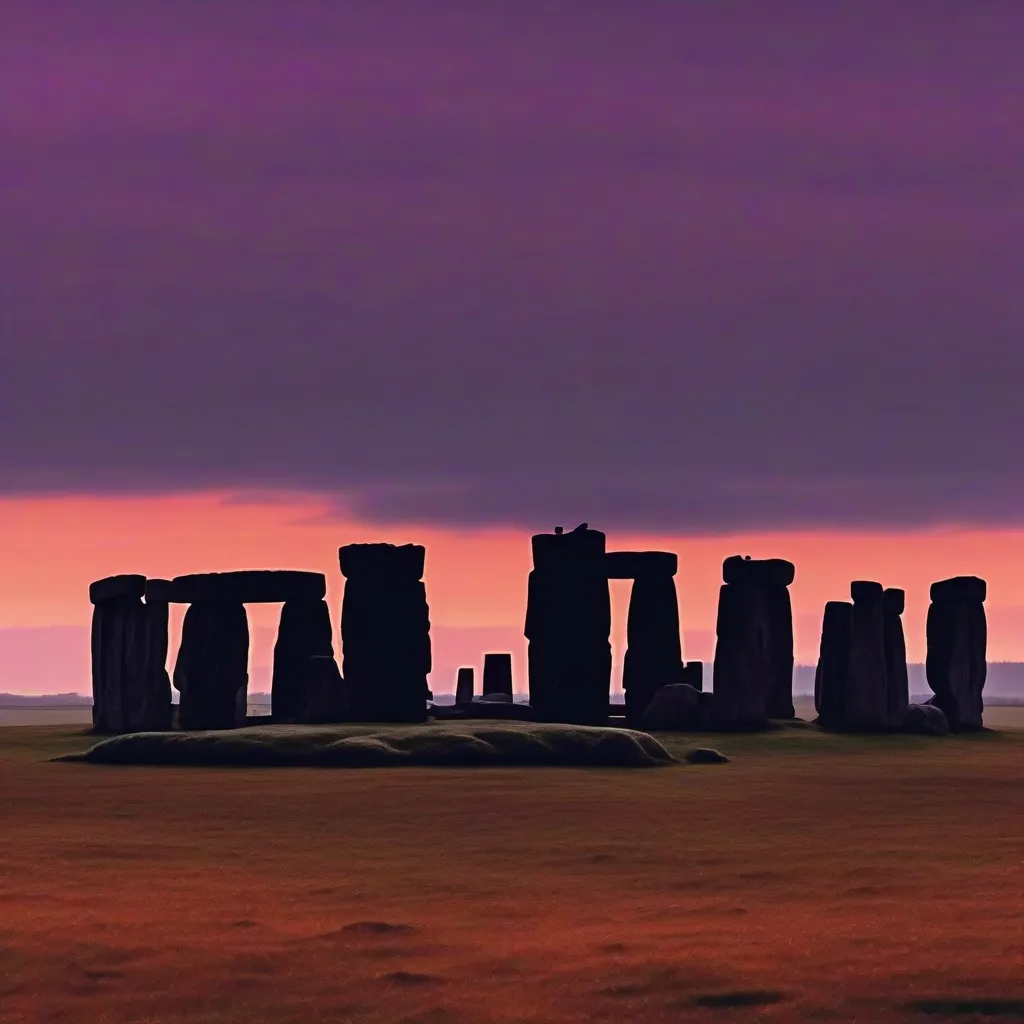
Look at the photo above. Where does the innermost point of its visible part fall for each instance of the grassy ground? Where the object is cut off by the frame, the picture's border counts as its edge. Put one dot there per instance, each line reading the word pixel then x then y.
pixel 813 878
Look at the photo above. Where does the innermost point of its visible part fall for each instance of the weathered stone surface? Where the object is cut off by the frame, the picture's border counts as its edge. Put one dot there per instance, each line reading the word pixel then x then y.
pixel 498 674
pixel 675 707
pixel 866 705
pixel 114 588
pixel 926 719
pixel 464 685
pixel 131 688
pixel 212 670
pixel 401 561
pixel 894 601
pixel 897 683
pixel 632 565
pixel 653 656
pixel 780 628
pixel 831 678
pixel 250 586
pixel 957 634
pixel 763 571
pixel 324 696
pixel 304 632
pixel 865 591
pixel 960 588
pixel 160 592
pixel 744 670
pixel 568 623
pixel 692 673
pixel 385 628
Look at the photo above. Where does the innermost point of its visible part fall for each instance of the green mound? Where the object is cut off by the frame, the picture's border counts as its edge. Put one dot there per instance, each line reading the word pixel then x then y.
pixel 434 744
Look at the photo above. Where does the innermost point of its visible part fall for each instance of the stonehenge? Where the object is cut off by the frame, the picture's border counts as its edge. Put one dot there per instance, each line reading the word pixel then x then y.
pixel 753 669
pixel 568 627
pixel 131 688
pixel 385 630
pixel 861 680
pixel 957 634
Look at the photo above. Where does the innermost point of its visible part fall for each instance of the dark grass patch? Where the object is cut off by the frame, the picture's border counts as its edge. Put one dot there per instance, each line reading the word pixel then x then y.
pixel 1006 1008
pixel 705 755
pixel 376 928
pixel 506 744
pixel 411 979
pixel 730 1000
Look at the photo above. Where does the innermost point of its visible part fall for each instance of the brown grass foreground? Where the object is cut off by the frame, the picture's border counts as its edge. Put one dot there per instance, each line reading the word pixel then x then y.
pixel 812 878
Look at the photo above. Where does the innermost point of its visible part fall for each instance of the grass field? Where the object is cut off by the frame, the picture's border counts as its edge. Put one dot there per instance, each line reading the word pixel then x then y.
pixel 814 877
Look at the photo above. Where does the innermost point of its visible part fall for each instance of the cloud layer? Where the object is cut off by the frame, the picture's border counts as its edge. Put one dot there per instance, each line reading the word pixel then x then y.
pixel 698 267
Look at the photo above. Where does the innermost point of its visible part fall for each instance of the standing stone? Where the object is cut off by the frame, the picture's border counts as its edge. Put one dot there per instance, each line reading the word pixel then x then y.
pixel 304 632
pixel 568 626
pixel 654 652
pixel 831 678
pixel 497 675
pixel 766 687
pixel 324 696
pixel 464 685
pixel 866 706
pixel 385 628
pixel 212 670
pixel 131 690
pixel 744 670
pixel 957 633
pixel 897 682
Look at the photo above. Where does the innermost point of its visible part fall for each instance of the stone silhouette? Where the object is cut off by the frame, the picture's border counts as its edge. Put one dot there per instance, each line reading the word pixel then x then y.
pixel 674 707
pixel 304 632
pixel 324 696
pixel 957 633
pixel 866 706
pixel 131 688
pixel 497 675
pixel 753 670
pixel 831 677
pixel 897 681
pixel 693 674
pixel 464 685
pixel 212 669
pixel 654 651
pixel 385 628
pixel 568 625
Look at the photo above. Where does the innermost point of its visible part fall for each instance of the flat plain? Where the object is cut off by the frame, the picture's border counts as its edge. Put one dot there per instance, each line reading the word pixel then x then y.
pixel 813 877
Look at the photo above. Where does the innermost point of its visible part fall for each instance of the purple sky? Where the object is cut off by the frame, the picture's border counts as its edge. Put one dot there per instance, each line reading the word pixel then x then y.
pixel 689 265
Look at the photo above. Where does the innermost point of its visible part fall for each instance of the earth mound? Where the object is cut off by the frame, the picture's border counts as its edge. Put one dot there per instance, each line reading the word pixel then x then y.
pixel 463 744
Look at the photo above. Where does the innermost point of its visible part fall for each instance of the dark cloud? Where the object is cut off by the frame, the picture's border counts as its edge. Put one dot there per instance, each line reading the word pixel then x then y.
pixel 688 266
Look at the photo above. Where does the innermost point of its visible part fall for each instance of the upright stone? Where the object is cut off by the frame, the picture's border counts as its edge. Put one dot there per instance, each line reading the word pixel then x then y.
pixel 464 685
pixel 867 703
pixel 212 670
pixel 324 694
pixel 304 632
pixel 131 690
pixel 497 675
pixel 780 628
pixel 957 634
pixel 654 655
pixel 897 682
pixel 744 669
pixel 831 677
pixel 385 628
pixel 693 675
pixel 568 625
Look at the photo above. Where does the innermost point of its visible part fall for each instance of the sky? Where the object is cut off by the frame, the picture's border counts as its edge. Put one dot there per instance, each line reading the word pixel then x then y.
pixel 713 277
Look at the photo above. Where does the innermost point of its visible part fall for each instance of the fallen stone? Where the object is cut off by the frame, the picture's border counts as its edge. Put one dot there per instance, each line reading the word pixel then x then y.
pixel 960 588
pixel 705 755
pixel 255 586
pixel 401 561
pixel 763 571
pixel 925 719
pixel 673 708
pixel 498 674
pixel 115 588
pixel 494 698
pixel 464 685
pixel 632 565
